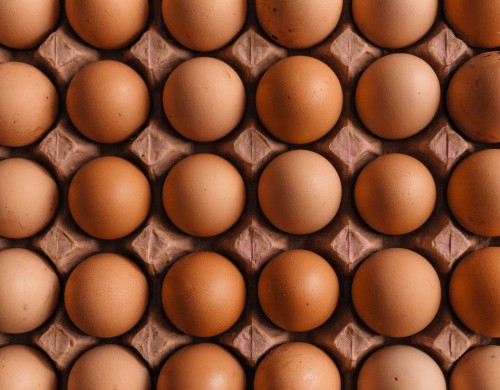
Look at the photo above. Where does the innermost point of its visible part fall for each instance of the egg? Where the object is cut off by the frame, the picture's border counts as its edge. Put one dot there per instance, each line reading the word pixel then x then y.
pixel 296 366
pixel 107 101
pixel 475 21
pixel 396 292
pixel 477 369
pixel 397 96
pixel 394 24
pixel 24 24
pixel 23 367
pixel 29 290
pixel 28 103
pixel 204 99
pixel 475 291
pixel 474 193
pixel 109 367
pixel 109 197
pixel 473 98
pixel 400 367
pixel 298 24
pixel 298 290
pixel 299 192
pixel 203 294
pixel 204 195
pixel 204 25
pixel 395 194
pixel 299 99
pixel 108 24
pixel 106 295
pixel 28 198
pixel 202 366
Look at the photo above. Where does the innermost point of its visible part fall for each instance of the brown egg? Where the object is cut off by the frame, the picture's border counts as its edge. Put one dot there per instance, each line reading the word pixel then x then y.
pixel 107 101
pixel 473 97
pixel 204 99
pixel 29 290
pixel 397 96
pixel 108 24
pixel 300 192
pixel 297 366
pixel 203 294
pixel 25 23
pixel 474 192
pixel 299 99
pixel 395 23
pixel 395 194
pixel 475 21
pixel 475 291
pixel 28 103
pixel 204 195
pixel 202 366
pixel 400 367
pixel 109 197
pixel 298 24
pixel 109 367
pixel 204 25
pixel 396 292
pixel 478 369
pixel 23 368
pixel 298 290
pixel 106 295
pixel 28 198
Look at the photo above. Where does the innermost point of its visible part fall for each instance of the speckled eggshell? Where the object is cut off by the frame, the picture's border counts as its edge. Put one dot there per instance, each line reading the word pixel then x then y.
pixel 473 98
pixel 28 198
pixel 28 103
pixel 297 366
pixel 109 367
pixel 202 366
pixel 478 369
pixel 299 99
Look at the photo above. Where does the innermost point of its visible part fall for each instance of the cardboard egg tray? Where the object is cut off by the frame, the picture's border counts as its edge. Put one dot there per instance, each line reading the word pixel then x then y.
pixel 157 244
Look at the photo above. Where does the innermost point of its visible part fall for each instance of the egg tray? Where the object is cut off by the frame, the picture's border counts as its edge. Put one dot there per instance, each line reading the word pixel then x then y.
pixel 345 242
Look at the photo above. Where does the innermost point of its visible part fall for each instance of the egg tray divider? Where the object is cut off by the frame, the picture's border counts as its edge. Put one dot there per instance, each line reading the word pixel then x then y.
pixel 345 242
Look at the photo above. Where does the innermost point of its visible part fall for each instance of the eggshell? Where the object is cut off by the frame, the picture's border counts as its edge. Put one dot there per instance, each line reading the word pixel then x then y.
pixel 107 101
pixel 395 194
pixel 477 369
pixel 204 99
pixel 394 24
pixel 396 292
pixel 25 23
pixel 397 96
pixel 400 367
pixel 109 367
pixel 299 192
pixel 299 99
pixel 28 198
pixel 475 291
pixel 298 290
pixel 203 294
pixel 29 290
pixel 28 103
pixel 202 366
pixel 473 98
pixel 297 366
pixel 298 24
pixel 108 24
pixel 204 25
pixel 204 195
pixel 23 367
pixel 109 197
pixel 474 192
pixel 106 295
pixel 475 21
